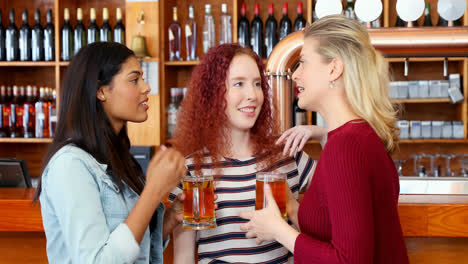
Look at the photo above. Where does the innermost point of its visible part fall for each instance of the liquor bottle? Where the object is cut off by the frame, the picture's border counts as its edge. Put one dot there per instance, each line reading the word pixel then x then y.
pixel 11 39
pixel 191 35
pixel 2 40
pixel 299 115
pixel 29 117
pixel 243 28
pixel 256 38
pixel 16 114
pixel 271 29
pixel 285 23
pixel 25 38
pixel 225 32
pixel 37 39
pixel 208 30
pixel 106 30
pixel 42 115
pixel 67 37
pixel 93 29
pixel 172 113
pixel 349 11
pixel 427 16
pixel 300 21
pixel 119 30
pixel 49 38
pixel 52 114
pixel 79 34
pixel 399 22
pixel 4 130
pixel 174 37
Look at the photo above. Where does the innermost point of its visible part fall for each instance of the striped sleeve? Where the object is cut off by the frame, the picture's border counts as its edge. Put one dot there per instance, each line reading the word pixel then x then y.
pixel 305 168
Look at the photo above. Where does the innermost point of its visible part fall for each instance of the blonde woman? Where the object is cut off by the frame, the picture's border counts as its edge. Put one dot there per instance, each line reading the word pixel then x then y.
pixel 349 213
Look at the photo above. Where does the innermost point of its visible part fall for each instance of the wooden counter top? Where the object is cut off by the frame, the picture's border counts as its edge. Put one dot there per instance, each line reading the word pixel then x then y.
pixel 420 215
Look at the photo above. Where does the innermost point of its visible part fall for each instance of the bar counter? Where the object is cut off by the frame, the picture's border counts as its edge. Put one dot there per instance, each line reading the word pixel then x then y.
pixel 435 227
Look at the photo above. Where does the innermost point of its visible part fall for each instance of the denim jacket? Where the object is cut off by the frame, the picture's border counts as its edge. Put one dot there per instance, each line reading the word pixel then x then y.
pixel 84 214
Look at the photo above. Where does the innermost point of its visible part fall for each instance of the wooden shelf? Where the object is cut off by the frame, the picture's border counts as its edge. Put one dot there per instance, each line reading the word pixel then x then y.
pixel 181 63
pixel 26 140
pixel 433 141
pixel 27 63
pixel 64 63
pixel 422 101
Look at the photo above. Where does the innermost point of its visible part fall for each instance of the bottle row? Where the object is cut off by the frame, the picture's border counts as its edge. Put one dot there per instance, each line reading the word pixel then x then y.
pixel 438 164
pixel 431 129
pixel 27 111
pixel 177 95
pixel 37 43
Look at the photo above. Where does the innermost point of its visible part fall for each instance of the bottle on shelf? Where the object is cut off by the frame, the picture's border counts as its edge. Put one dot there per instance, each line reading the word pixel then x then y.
pixel 106 30
pixel 119 30
pixel 93 29
pixel 174 37
pixel 37 39
pixel 29 117
pixel 172 113
pixel 52 114
pixel 2 40
pixel 427 16
pixel 49 38
pixel 4 119
pixel 11 39
pixel 25 38
pixel 299 115
pixel 42 115
pixel 399 22
pixel 256 38
pixel 225 32
pixel 349 11
pixel 16 114
pixel 243 26
pixel 300 21
pixel 285 23
pixel 67 37
pixel 271 29
pixel 208 30
pixel 191 35
pixel 79 34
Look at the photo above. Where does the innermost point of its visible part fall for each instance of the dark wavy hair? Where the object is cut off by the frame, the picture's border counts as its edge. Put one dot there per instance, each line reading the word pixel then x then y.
pixel 83 121
pixel 202 119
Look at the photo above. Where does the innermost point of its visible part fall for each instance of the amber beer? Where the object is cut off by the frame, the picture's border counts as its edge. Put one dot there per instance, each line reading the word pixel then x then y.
pixel 199 213
pixel 277 182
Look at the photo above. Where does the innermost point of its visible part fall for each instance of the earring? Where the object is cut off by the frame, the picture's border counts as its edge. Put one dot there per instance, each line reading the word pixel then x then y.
pixel 332 84
pixel 102 97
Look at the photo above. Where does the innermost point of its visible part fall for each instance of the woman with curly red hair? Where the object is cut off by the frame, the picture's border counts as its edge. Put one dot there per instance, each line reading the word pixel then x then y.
pixel 226 129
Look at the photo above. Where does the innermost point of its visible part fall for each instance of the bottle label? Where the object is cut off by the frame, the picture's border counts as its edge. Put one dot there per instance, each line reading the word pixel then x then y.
pixel 171 35
pixel 301 118
pixel 188 31
pixel 172 118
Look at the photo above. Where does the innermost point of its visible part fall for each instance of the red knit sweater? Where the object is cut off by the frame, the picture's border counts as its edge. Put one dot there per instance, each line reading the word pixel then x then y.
pixel 349 213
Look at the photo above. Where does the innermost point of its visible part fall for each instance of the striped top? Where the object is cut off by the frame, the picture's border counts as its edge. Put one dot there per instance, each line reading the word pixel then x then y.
pixel 235 187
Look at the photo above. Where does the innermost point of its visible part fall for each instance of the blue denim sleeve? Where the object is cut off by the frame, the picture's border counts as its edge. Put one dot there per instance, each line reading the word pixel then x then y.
pixel 158 243
pixel 73 194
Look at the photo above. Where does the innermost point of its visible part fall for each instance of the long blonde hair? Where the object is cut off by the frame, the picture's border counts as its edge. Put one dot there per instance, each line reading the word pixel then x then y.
pixel 365 75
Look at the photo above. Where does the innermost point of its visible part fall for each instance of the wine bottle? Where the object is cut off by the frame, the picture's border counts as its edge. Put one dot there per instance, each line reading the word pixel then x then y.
pixel 93 29
pixel 299 115
pixel 2 41
pixel 427 16
pixel 25 38
pixel 106 30
pixel 256 38
pixel 4 130
pixel 349 11
pixel 208 30
pixel 37 40
pixel 174 37
pixel 399 22
pixel 191 35
pixel 11 39
pixel 49 38
pixel 225 33
pixel 271 29
pixel 16 118
pixel 285 23
pixel 300 21
pixel 243 28
pixel 29 114
pixel 67 37
pixel 79 34
pixel 119 30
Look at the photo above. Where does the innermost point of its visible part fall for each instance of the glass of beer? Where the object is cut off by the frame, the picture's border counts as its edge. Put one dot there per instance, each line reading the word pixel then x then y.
pixel 277 182
pixel 199 212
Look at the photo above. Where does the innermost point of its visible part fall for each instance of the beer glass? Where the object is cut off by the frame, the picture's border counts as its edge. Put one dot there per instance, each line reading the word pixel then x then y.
pixel 277 182
pixel 199 213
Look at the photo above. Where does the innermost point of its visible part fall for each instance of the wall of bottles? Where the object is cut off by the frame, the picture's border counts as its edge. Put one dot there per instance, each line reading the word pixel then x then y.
pixel 27 111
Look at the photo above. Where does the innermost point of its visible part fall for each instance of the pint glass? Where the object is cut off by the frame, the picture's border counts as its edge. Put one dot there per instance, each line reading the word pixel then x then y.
pixel 199 204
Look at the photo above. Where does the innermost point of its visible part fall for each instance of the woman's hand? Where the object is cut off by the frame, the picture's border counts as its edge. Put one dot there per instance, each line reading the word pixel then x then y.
pixel 294 139
pixel 263 223
pixel 292 206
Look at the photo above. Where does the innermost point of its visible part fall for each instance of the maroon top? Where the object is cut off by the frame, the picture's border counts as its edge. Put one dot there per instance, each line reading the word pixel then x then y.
pixel 349 214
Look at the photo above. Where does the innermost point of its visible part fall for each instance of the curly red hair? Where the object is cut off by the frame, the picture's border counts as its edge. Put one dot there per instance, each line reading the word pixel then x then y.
pixel 202 119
